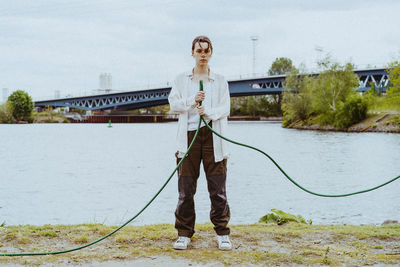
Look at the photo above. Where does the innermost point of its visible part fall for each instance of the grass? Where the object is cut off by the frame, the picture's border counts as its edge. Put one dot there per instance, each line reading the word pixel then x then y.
pixel 259 244
pixel 380 104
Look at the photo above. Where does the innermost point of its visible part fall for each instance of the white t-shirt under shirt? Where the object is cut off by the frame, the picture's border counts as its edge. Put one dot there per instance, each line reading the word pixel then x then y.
pixel 193 120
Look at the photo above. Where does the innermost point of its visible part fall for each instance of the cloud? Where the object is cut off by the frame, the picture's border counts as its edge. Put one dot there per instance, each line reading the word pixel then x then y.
pixel 65 45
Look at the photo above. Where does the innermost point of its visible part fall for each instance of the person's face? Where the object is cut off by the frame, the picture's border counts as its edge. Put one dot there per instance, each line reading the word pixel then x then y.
pixel 201 53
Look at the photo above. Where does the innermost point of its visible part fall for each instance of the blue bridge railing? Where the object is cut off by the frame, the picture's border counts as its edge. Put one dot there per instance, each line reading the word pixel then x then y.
pixel 242 87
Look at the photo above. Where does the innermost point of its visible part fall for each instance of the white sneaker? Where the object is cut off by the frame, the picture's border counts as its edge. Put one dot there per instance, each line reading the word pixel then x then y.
pixel 182 242
pixel 224 243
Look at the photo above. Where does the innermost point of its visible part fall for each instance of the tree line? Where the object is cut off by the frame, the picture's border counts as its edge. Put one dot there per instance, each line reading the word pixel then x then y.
pixel 331 97
pixel 327 99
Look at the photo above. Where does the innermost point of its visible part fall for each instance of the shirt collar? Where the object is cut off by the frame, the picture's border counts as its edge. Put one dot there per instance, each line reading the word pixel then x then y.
pixel 211 76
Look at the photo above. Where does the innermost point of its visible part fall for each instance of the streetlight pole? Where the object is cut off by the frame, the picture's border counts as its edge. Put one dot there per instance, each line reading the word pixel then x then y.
pixel 254 39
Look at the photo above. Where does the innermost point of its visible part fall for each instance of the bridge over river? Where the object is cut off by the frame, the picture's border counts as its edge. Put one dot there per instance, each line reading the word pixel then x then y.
pixel 268 85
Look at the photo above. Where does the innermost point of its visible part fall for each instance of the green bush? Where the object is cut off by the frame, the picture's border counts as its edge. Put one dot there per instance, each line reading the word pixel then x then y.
pixel 327 118
pixel 352 111
pixel 30 119
pixel 297 99
pixel 6 113
pixel 281 217
pixel 373 91
pixel 22 105
pixel 256 106
pixel 393 92
pixel 392 99
pixel 295 107
pixel 397 119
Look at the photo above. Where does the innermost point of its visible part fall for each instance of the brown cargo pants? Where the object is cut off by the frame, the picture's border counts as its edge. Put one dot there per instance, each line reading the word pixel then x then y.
pixel 188 174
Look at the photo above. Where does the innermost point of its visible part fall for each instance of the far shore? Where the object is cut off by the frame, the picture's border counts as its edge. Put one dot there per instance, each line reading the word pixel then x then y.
pixel 260 244
pixel 380 122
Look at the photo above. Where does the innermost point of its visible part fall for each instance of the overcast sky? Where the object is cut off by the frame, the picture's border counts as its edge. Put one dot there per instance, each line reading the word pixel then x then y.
pixel 48 45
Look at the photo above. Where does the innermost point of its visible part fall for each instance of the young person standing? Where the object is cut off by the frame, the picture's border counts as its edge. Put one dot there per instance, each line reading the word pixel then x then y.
pixel 184 99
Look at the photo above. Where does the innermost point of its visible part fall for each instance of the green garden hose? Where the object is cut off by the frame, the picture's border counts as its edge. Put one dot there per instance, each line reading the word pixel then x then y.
pixel 119 228
pixel 290 179
pixel 169 178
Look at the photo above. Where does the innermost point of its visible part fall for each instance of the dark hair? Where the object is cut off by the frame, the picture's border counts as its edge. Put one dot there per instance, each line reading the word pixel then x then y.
pixel 203 39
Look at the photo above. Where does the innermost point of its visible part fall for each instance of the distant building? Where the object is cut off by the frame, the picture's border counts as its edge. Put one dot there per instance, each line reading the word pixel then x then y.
pixel 5 95
pixel 105 82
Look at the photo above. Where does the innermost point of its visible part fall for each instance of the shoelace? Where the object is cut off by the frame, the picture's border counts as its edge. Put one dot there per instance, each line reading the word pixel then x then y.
pixel 224 239
pixel 180 240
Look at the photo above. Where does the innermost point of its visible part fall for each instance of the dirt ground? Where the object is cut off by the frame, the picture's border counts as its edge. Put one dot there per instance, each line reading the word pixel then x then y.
pixel 292 244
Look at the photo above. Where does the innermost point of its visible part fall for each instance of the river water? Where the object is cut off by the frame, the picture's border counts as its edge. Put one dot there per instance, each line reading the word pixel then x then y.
pixel 88 173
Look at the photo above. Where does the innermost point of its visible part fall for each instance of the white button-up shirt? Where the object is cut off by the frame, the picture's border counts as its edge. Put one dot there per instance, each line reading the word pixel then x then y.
pixel 182 102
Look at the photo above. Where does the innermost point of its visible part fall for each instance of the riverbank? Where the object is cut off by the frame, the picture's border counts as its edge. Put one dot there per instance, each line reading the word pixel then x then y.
pixel 385 122
pixel 46 117
pixel 381 122
pixel 153 118
pixel 253 245
pixel 49 117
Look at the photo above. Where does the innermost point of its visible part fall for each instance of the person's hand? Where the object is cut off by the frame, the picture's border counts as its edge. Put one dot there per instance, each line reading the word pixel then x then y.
pixel 200 110
pixel 200 96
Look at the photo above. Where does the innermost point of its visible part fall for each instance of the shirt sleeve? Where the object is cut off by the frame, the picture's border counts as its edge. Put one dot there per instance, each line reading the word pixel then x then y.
pixel 177 103
pixel 222 109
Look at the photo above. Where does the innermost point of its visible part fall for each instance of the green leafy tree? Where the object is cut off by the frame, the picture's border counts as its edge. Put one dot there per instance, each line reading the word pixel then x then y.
pixel 22 105
pixel 373 91
pixel 236 104
pixel 6 113
pixel 252 106
pixel 270 105
pixel 333 85
pixel 296 102
pixel 393 92
pixel 280 66
pixel 256 106
pixel 373 97
pixel 275 105
pixel 329 98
